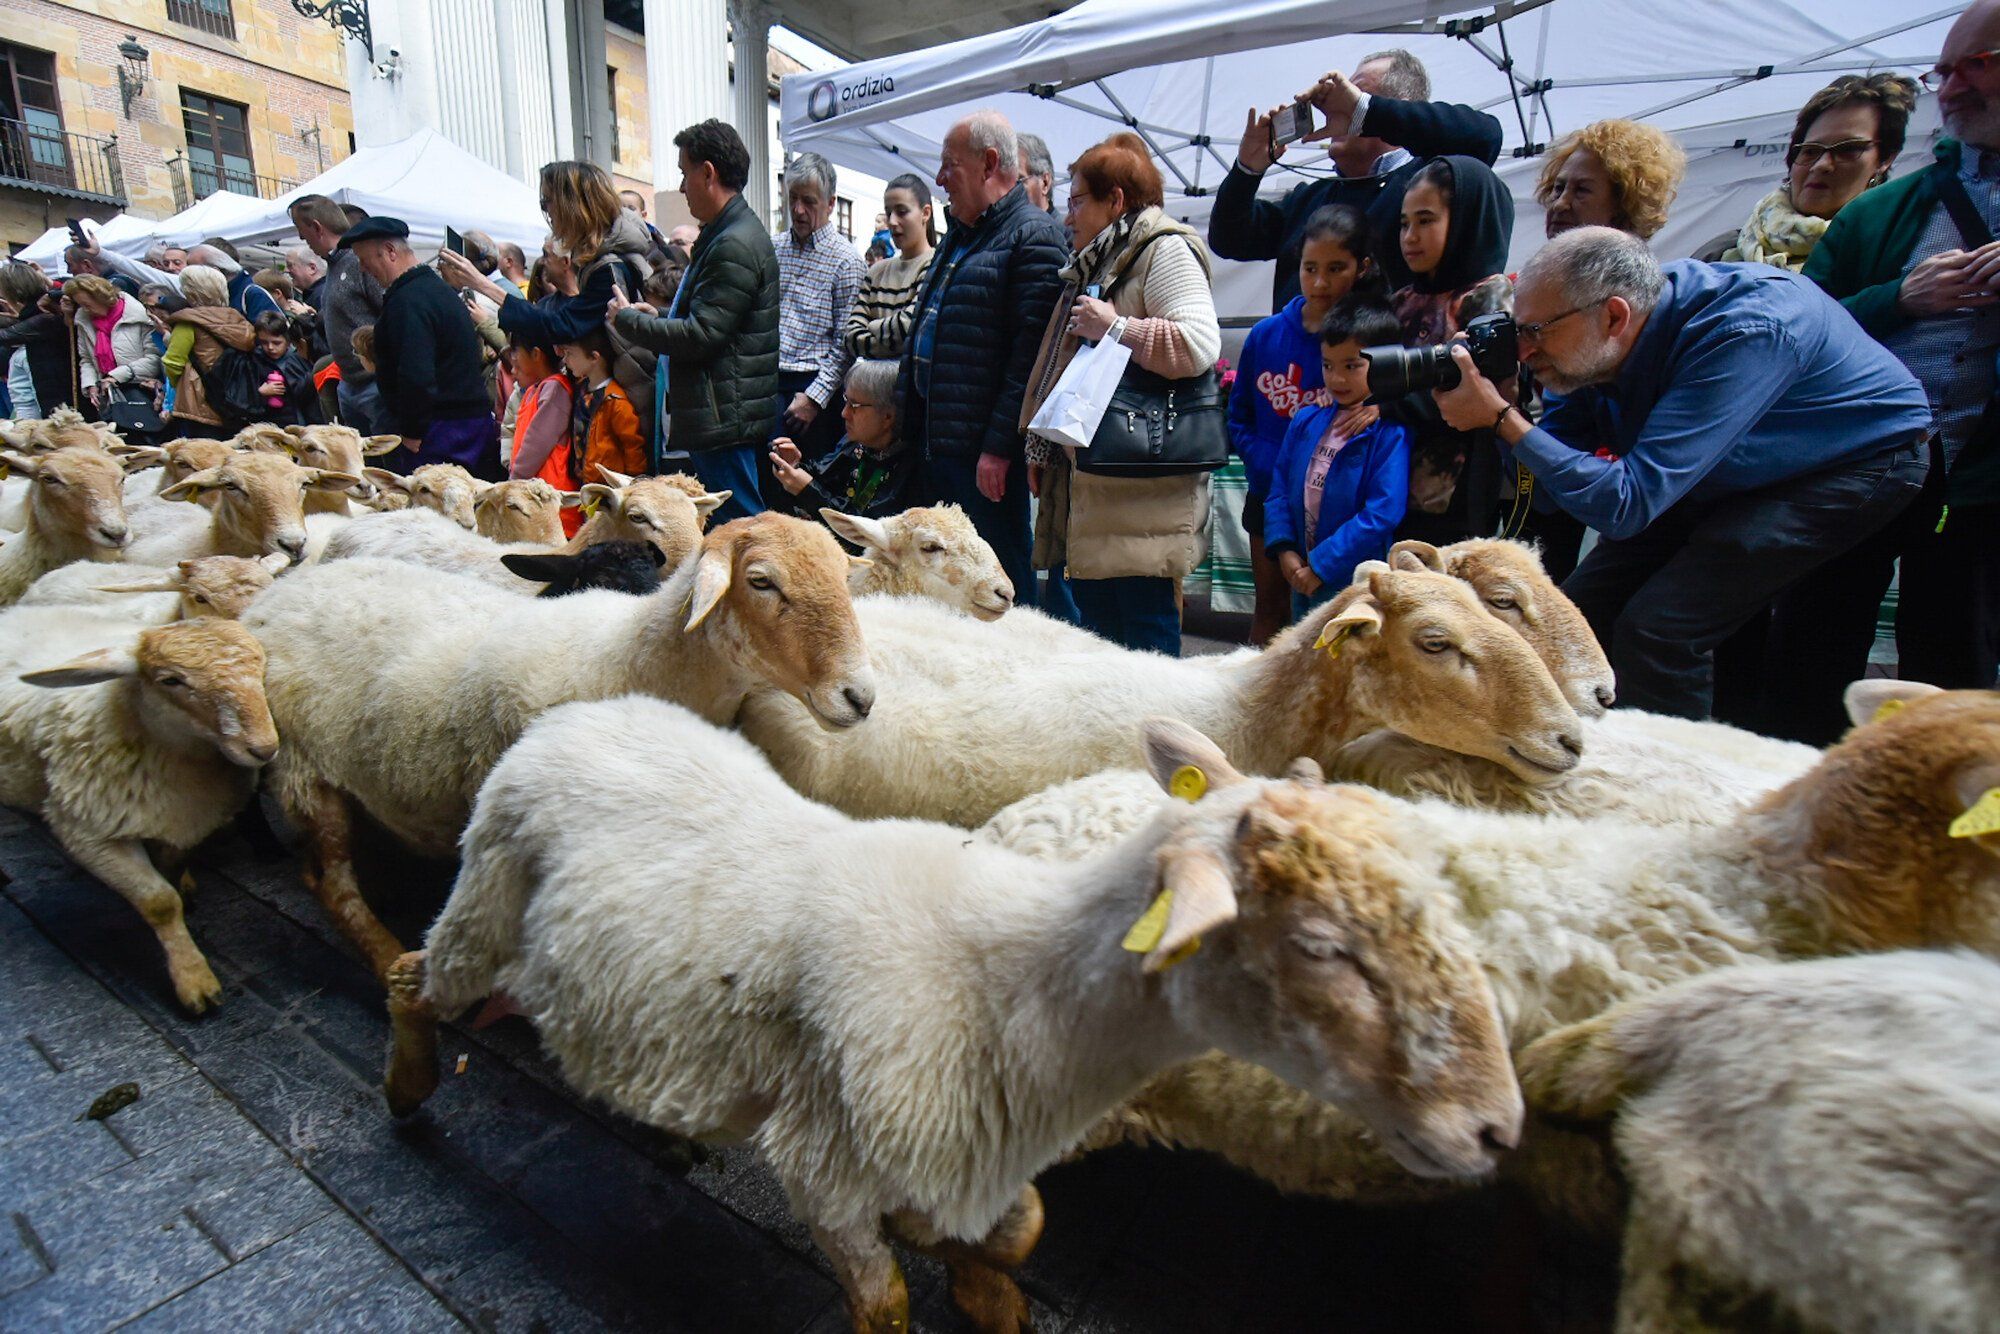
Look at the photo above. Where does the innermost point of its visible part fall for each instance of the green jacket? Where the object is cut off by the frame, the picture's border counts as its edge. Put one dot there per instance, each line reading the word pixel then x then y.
pixel 722 350
pixel 1860 261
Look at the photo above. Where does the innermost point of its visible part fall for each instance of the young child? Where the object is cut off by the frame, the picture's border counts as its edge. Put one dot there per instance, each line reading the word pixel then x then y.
pixel 1338 489
pixel 287 392
pixel 364 347
pixel 1278 373
pixel 867 474
pixel 603 421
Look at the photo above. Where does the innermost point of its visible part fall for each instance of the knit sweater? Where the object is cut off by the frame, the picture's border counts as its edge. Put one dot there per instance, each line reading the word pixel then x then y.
pixel 879 324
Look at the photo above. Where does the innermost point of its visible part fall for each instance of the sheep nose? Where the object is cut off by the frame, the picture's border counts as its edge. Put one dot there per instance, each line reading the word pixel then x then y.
pixel 1499 1138
pixel 263 751
pixel 113 533
pixel 1606 696
pixel 1005 592
pixel 859 699
pixel 1570 742
pixel 294 545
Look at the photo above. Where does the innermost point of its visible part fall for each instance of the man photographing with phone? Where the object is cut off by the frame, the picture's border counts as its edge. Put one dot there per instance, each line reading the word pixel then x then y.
pixel 1727 429
pixel 1379 128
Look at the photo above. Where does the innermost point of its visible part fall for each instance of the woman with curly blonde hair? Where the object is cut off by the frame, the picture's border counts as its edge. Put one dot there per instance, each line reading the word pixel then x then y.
pixel 1611 173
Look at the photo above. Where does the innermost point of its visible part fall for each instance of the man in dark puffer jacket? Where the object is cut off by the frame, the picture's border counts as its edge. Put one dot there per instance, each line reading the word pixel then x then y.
pixel 720 337
pixel 978 327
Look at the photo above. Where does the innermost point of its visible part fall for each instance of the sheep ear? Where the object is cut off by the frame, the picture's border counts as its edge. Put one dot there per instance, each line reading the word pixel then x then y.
pixel 1359 617
pixel 1183 761
pixel 137 458
pixel 20 463
pixel 148 586
pixel 706 505
pixel 617 479
pixel 276 563
pixel 106 664
pixel 1877 698
pixel 388 481
pixel 570 499
pixel 295 432
pixel 375 446
pixel 1305 769
pixel 326 479
pixel 711 581
pixel 859 563
pixel 1413 555
pixel 16 434
pixel 208 479
pixel 539 567
pixel 868 534
pixel 1203 899
pixel 607 495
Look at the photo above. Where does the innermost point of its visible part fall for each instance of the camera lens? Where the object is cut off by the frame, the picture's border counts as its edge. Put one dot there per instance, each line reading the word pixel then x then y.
pixel 1396 371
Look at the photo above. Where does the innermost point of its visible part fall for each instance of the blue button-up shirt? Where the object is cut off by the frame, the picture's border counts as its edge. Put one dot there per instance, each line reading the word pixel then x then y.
pixel 1743 376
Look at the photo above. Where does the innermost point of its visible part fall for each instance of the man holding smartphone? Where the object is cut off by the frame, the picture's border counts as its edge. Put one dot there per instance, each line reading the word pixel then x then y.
pixel 1380 127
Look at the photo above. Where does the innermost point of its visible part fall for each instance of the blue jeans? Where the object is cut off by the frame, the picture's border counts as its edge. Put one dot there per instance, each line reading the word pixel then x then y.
pixel 361 408
pixel 1301 604
pixel 734 470
pixel 1003 525
pixel 1138 611
pixel 1055 595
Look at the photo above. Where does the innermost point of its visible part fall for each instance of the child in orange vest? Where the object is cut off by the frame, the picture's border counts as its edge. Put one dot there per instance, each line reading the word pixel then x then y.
pixel 604 419
pixel 543 444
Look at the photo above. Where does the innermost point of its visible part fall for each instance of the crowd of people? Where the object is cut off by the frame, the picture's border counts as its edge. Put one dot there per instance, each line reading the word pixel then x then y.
pixel 1756 442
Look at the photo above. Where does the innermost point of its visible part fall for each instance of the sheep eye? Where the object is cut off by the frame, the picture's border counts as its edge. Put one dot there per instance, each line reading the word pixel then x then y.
pixel 172 680
pixel 233 486
pixel 1320 949
pixel 641 521
pixel 47 480
pixel 761 581
pixel 1502 602
pixel 1434 645
pixel 933 548
pixel 202 598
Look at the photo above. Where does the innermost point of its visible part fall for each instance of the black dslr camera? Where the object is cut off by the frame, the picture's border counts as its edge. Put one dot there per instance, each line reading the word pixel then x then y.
pixel 1396 371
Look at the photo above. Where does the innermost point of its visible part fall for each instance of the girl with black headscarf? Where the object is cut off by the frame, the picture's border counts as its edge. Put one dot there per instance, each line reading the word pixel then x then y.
pixel 1456 222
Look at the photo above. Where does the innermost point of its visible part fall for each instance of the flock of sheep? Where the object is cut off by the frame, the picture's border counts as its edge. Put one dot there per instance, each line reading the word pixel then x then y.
pixel 925 893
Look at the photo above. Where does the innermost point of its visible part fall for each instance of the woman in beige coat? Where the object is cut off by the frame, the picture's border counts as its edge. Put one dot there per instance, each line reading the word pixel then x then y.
pixel 1125 542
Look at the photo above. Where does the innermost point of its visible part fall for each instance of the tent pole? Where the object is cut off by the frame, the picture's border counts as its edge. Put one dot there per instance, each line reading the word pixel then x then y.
pixel 1207 86
pixel 1146 133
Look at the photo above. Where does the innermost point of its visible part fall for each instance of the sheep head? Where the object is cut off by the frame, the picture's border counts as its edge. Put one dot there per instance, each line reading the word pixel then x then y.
pixel 222 586
pixel 1416 651
pixel 444 487
pixel 771 591
pixel 522 511
pixel 206 676
pixel 1334 957
pixel 931 552
pixel 258 502
pixel 622 567
pixel 61 429
pixel 1867 832
pixel 1510 580
pixel 77 500
pixel 667 511
pixel 337 449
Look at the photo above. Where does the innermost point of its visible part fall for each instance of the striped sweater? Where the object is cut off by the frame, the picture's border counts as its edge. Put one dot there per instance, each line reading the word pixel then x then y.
pixel 879 326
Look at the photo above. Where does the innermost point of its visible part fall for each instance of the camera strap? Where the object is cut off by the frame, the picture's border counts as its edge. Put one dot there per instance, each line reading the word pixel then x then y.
pixel 1972 228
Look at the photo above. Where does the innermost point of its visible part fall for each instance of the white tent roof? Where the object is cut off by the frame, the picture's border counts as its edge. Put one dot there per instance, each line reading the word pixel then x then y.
pixel 1724 76
pixel 217 215
pixel 121 231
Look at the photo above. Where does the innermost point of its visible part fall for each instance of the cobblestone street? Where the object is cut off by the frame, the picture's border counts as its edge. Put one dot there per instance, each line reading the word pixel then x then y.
pixel 257 1182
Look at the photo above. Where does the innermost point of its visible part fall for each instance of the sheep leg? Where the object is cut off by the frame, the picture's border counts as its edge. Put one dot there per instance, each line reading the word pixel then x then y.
pixel 122 864
pixel 329 872
pixel 877 1300
pixel 982 1285
pixel 413 1068
pixel 1657 1294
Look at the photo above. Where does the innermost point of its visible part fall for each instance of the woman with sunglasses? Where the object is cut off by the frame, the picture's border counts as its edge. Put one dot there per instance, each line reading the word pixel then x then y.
pixel 1845 141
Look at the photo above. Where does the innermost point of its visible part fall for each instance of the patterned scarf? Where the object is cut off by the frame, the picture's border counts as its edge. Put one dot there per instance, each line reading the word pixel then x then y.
pixel 1777 234
pixel 107 360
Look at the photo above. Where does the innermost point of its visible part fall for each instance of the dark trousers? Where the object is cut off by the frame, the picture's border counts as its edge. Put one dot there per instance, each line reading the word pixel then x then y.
pixel 1660 602
pixel 815 442
pixel 1055 596
pixel 737 471
pixel 1138 611
pixel 1947 616
pixel 471 442
pixel 1004 525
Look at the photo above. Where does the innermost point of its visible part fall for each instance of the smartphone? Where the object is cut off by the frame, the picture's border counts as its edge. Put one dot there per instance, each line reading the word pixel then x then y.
pixel 76 232
pixel 1291 124
pixel 453 241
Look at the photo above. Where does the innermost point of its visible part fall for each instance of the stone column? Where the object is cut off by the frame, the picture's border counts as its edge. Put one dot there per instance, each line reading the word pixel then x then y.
pixel 750 35
pixel 687 80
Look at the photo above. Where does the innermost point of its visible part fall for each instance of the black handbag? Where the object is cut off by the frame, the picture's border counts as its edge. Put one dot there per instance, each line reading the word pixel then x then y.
pixel 1156 427
pixel 129 408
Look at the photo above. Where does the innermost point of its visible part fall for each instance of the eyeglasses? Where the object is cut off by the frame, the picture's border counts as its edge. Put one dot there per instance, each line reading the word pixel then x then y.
pixel 1534 331
pixel 1846 153
pixel 1972 66
pixel 859 406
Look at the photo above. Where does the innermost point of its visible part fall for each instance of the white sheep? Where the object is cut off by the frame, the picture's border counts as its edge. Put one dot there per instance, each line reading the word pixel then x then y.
pixel 337 449
pixel 161 748
pixel 150 469
pixel 155 594
pixel 527 511
pixel 75 512
pixel 930 552
pixel 1572 916
pixel 445 487
pixel 1821 1137
pixel 255 508
pixel 398 687
pixel 970 719
pixel 911 1026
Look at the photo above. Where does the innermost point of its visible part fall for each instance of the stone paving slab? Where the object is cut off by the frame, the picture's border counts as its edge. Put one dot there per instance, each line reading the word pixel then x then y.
pixel 258 1182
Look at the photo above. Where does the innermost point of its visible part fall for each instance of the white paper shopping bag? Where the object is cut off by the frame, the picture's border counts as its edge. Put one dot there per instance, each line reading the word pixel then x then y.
pixel 1073 409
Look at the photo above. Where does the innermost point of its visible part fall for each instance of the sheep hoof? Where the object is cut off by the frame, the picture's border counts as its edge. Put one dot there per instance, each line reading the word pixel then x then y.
pixel 196 989
pixel 412 1075
pixel 991 1300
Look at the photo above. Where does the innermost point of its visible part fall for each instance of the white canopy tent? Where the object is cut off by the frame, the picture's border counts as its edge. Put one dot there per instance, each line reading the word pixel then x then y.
pixel 1724 77
pixel 121 231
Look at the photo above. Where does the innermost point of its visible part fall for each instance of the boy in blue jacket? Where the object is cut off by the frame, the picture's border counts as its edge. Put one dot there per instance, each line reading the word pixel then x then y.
pixel 1338 490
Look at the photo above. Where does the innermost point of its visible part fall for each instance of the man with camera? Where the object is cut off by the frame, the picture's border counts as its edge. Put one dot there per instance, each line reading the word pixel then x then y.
pixel 1727 430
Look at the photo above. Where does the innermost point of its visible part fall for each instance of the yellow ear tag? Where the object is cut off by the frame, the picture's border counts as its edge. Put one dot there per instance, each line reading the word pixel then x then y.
pixel 1332 644
pixel 1889 706
pixel 1144 937
pixel 1188 783
pixel 1982 817
pixel 590 507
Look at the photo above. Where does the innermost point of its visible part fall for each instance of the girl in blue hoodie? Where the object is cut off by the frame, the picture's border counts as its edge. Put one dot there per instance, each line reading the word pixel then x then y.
pixel 1341 481
pixel 1278 373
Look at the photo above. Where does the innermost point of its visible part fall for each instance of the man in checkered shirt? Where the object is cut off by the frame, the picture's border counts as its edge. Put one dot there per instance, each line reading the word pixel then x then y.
pixel 819 272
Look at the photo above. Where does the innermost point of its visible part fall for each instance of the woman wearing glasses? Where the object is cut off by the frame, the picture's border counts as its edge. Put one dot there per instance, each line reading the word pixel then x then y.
pixel 1846 139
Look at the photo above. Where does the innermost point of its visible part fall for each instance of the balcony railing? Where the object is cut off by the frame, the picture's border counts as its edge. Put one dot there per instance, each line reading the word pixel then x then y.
pixel 84 166
pixel 195 181
pixel 216 17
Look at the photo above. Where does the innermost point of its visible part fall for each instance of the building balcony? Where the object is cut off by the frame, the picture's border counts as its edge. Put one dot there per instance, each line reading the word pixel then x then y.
pixel 195 181
pixel 60 162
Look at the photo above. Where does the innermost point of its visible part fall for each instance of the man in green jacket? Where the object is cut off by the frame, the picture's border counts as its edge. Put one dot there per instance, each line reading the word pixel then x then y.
pixel 719 339
pixel 1915 262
